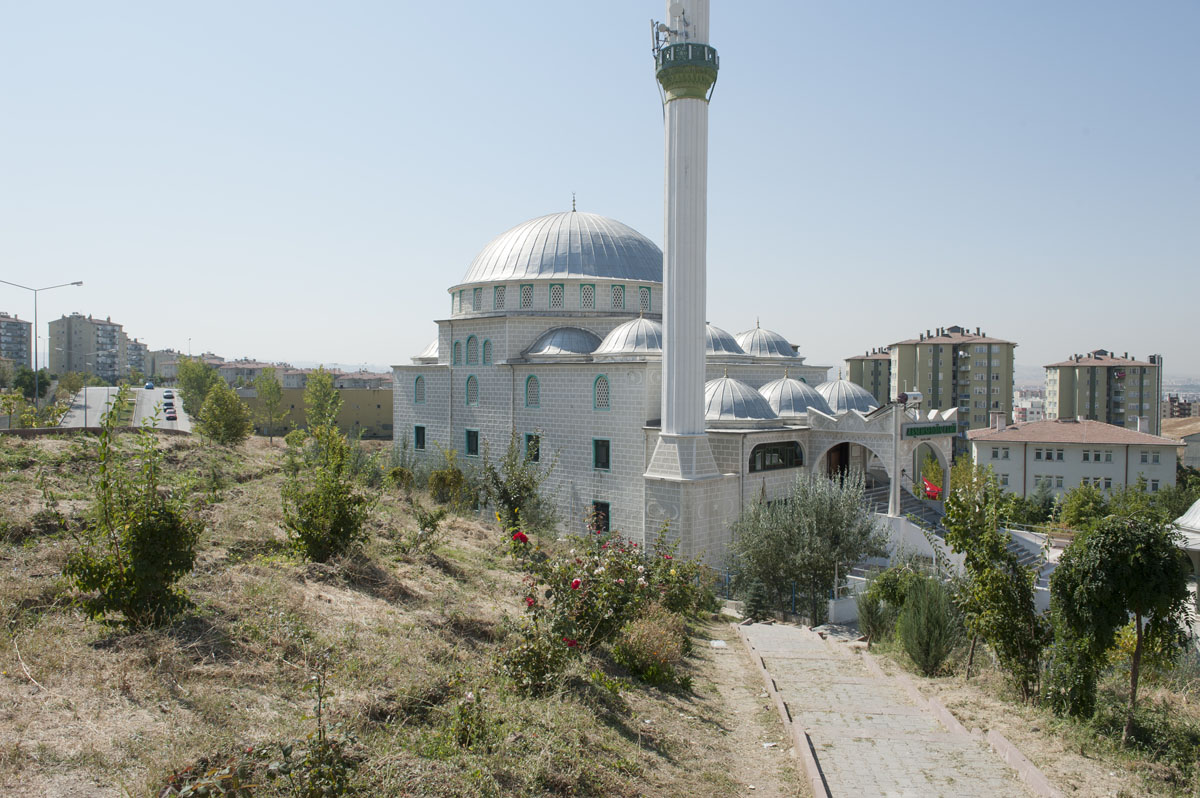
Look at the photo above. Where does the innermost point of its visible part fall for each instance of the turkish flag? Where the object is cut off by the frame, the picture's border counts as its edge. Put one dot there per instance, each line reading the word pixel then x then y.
pixel 931 490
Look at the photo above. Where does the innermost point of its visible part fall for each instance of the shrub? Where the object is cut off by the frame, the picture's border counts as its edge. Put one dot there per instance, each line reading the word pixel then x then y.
pixel 224 417
pixel 402 478
pixel 875 618
pixel 425 537
pixel 139 541
pixel 534 657
pixel 653 645
pixel 757 606
pixel 323 510
pixel 928 626
pixel 448 484
pixel 513 487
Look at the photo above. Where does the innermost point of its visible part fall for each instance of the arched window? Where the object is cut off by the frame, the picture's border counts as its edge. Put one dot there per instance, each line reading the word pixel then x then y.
pixel 600 397
pixel 472 350
pixel 773 456
pixel 472 390
pixel 419 390
pixel 487 352
pixel 457 353
pixel 644 299
pixel 533 392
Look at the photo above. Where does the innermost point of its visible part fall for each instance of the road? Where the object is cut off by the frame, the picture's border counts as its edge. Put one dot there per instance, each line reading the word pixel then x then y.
pixel 91 403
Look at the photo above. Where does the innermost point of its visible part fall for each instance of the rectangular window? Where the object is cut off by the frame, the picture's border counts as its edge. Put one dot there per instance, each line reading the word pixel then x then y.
pixel 472 443
pixel 557 296
pixel 1037 454
pixel 1108 455
pixel 526 297
pixel 477 299
pixel 1086 455
pixel 1108 483
pixel 1095 455
pixel 1058 482
pixel 498 298
pixel 618 297
pixel 995 452
pixel 1004 480
pixel 1154 458
pixel 587 297
pixel 419 438
pixel 981 350
pixel 1145 457
pixel 1154 486
pixel 599 521
pixel 601 454
pixel 644 299
pixel 1058 455
pixel 533 447
pixel 1004 456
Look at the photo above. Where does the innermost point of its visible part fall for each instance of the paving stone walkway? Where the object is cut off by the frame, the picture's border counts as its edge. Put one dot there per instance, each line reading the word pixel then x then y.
pixel 869 736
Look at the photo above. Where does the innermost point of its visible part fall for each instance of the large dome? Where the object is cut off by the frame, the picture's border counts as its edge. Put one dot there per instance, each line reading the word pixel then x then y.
pixel 638 337
pixel 564 342
pixel 568 245
pixel 730 400
pixel 718 342
pixel 764 343
pixel 791 398
pixel 843 396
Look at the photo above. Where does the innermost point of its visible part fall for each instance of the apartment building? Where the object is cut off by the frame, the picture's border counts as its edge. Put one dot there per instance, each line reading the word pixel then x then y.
pixel 1175 407
pixel 85 344
pixel 16 338
pixel 872 371
pixel 953 367
pixel 1029 405
pixel 1103 386
pixel 136 353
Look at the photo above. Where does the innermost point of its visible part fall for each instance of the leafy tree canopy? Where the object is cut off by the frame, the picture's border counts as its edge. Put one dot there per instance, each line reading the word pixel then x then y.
pixel 224 418
pixel 196 378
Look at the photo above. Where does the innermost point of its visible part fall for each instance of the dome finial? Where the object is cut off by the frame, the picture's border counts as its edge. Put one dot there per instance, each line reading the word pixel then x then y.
pixel 839 374
pixel 572 202
pixel 785 372
pixel 756 324
pixel 727 371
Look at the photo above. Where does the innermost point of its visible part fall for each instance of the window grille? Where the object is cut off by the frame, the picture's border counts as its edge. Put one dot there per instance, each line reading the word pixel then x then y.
pixel 587 297
pixel 472 351
pixel 498 298
pixel 556 296
pixel 526 297
pixel 419 391
pixel 533 392
pixel 472 390
pixel 618 297
pixel 644 299
pixel 477 299
pixel 487 352
pixel 601 393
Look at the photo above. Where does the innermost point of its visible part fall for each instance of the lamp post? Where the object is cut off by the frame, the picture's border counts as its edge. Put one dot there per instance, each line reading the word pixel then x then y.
pixel 35 326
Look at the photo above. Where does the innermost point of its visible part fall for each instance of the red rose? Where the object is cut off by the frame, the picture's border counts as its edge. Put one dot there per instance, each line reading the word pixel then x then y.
pixel 529 602
pixel 520 537
pixel 575 583
pixel 571 643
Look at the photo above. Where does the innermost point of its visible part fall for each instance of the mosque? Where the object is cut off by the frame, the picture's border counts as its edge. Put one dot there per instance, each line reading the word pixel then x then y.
pixel 578 335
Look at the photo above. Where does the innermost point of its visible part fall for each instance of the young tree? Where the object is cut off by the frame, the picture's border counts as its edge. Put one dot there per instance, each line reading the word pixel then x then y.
pixel 24 382
pixel 270 398
pixel 818 531
pixel 999 602
pixel 6 374
pixel 1126 565
pixel 10 403
pixel 69 384
pixel 321 399
pixel 513 487
pixel 1083 506
pixel 224 417
pixel 196 378
pixel 323 508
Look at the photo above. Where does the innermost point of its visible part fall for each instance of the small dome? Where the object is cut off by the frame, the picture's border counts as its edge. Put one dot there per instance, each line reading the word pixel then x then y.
pixel 727 399
pixel 639 336
pixel 429 355
pixel 568 245
pixel 721 343
pixel 564 341
pixel 790 398
pixel 843 396
pixel 764 343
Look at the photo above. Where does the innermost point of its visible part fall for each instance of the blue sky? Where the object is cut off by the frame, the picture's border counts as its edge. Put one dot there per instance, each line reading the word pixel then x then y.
pixel 303 181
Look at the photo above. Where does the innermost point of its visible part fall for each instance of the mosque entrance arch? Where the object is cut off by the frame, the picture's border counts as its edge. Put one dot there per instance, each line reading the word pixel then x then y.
pixel 921 453
pixel 845 456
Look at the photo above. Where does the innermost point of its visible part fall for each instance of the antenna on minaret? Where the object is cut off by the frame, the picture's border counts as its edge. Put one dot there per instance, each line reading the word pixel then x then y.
pixel 572 202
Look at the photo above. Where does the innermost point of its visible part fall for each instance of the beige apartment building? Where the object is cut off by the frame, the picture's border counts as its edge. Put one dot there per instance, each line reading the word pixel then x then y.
pixel 84 344
pixel 872 371
pixel 365 411
pixel 953 367
pixel 1103 386
pixel 15 340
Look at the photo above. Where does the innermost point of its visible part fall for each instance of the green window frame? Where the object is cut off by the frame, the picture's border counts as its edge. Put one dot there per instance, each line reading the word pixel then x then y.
pixel 526 305
pixel 471 385
pixel 472 350
pixel 419 437
pixel 487 352
pixel 498 297
pixel 533 447
pixel 533 391
pixel 456 357
pixel 471 442
pixel 601 393
pixel 600 518
pixel 419 390
pixel 602 454
pixel 558 296
pixel 587 296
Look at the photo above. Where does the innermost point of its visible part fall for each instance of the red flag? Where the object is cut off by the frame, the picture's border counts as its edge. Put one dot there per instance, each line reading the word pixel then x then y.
pixel 931 490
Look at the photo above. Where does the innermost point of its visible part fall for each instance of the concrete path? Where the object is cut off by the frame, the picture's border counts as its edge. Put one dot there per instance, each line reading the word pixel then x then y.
pixel 868 735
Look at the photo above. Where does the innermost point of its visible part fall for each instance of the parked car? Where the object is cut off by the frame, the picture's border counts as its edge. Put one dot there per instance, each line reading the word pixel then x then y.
pixel 171 415
pixel 149 386
pixel 168 394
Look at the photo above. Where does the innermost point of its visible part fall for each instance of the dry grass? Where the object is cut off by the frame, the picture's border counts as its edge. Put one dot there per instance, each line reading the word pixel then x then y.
pixel 94 709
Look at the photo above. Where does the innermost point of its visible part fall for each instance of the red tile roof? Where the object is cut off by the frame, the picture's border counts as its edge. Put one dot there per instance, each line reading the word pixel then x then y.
pixel 1068 431
pixel 1098 357
pixel 882 355
pixel 954 335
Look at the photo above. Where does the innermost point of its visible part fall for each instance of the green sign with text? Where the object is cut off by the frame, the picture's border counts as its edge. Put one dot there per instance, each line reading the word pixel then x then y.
pixel 929 430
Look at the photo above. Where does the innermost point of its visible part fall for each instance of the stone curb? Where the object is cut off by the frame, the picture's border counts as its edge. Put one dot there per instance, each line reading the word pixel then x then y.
pixel 800 739
pixel 1029 774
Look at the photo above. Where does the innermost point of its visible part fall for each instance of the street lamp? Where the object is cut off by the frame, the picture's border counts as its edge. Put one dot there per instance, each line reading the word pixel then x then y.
pixel 35 326
pixel 86 363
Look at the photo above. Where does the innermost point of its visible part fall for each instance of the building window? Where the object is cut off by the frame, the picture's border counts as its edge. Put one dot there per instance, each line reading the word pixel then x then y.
pixel 601 454
pixel 1037 454
pixel 1154 458
pixel 1086 455
pixel 1058 482
pixel 995 452
pixel 1108 455
pixel 472 390
pixel 457 358
pixel 598 518
pixel 556 296
pixel 600 397
pixel 477 299
pixel 644 298
pixel 461 306
pixel 1004 456
pixel 526 297
pixel 498 298
pixel 472 443
pixel 618 297
pixel 587 297
pixel 533 447
pixel 472 351
pixel 419 438
pixel 773 456
pixel 419 390
pixel 1058 455
pixel 1004 480
pixel 1108 483
pixel 1145 457
pixel 533 392
pixel 487 352
pixel 1154 486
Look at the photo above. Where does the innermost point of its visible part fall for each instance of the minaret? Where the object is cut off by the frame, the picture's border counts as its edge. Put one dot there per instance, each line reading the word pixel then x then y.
pixel 686 68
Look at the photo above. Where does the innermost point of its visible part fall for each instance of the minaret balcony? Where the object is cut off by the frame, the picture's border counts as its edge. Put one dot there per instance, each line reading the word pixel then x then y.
pixel 686 69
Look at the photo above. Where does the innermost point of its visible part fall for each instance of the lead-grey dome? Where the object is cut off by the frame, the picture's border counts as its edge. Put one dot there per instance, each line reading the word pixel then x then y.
pixel 727 399
pixel 568 245
pixel 765 343
pixel 719 342
pixel 637 337
pixel 430 355
pixel 790 398
pixel 564 341
pixel 843 396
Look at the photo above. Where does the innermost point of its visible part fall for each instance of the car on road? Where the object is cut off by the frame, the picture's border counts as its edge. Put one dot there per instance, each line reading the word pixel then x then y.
pixel 168 394
pixel 171 415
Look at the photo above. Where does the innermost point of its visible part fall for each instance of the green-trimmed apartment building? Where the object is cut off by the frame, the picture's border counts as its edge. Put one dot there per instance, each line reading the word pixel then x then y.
pixel 873 371
pixel 1104 386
